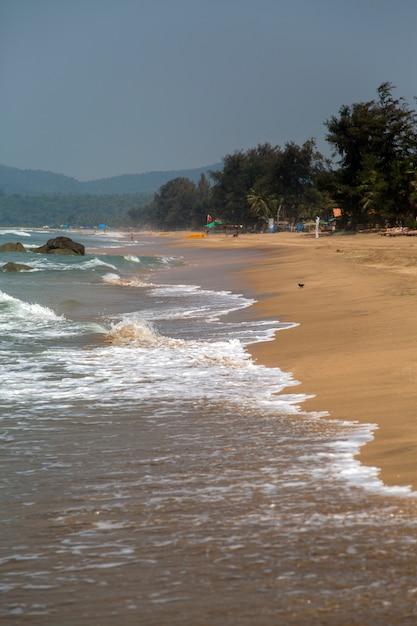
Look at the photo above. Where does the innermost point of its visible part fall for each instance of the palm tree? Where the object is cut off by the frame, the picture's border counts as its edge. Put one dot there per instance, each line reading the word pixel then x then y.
pixel 259 205
pixel 276 206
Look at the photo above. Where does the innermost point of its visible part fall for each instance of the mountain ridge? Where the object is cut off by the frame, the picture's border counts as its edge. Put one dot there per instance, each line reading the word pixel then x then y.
pixel 35 182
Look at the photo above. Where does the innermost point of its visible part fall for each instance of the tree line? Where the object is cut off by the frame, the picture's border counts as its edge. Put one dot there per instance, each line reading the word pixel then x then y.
pixel 371 177
pixel 57 210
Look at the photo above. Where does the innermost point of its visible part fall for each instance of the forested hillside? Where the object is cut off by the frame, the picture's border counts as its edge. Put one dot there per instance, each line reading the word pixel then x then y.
pixel 37 198
pixel 55 210
pixel 33 182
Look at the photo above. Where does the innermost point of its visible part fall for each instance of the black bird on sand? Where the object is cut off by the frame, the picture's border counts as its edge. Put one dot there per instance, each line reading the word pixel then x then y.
pixel 301 284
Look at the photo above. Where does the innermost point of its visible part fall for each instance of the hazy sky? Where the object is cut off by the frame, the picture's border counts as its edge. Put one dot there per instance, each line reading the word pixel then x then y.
pixel 97 88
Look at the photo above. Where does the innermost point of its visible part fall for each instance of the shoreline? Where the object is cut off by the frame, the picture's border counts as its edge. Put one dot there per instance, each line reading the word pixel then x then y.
pixel 354 348
pixel 355 343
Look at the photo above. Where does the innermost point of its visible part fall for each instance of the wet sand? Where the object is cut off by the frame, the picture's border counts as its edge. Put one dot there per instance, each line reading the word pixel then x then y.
pixel 355 346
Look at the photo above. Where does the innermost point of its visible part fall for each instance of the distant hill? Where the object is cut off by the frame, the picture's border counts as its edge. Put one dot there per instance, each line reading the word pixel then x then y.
pixel 35 182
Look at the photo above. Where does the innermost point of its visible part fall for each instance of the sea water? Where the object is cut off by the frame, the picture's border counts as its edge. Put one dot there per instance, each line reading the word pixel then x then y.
pixel 152 473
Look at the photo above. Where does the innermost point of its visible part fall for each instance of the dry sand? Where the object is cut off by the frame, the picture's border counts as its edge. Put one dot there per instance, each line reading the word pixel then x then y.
pixel 355 346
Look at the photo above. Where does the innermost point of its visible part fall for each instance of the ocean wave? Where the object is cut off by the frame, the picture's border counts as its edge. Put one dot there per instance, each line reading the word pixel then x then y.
pixel 133 332
pixel 21 320
pixel 342 459
pixel 116 279
pixel 136 332
pixel 132 258
pixel 18 233
pixel 136 365
pixel 11 306
pixel 67 264
pixel 94 263
pixel 202 302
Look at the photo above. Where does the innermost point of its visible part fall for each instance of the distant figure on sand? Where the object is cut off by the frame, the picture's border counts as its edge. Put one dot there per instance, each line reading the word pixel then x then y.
pixel 317 226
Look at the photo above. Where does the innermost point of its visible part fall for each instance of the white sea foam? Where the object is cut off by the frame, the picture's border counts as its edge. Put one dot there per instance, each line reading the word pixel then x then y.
pixel 114 234
pixel 116 279
pixel 342 458
pixel 132 333
pixel 19 319
pixel 61 263
pixel 137 365
pixel 94 263
pixel 205 303
pixel 19 308
pixel 132 258
pixel 18 233
pixel 178 291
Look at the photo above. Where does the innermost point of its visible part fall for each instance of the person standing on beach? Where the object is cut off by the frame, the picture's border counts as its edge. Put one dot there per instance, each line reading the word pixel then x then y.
pixel 317 226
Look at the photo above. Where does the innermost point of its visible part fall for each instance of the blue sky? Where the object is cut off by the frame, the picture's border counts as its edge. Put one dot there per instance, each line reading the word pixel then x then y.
pixel 98 88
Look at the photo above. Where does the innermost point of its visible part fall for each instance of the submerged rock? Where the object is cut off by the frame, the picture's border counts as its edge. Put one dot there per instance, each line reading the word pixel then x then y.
pixel 61 245
pixel 15 267
pixel 12 247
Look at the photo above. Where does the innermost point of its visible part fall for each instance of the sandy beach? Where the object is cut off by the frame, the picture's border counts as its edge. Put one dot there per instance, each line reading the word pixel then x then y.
pixel 197 487
pixel 354 348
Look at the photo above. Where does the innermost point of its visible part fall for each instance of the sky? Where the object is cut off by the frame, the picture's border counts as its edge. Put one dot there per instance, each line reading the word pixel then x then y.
pixel 99 88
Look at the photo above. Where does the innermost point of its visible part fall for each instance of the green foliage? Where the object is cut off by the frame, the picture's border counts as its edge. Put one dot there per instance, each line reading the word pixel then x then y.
pixel 294 179
pixel 241 176
pixel 262 182
pixel 252 186
pixel 376 143
pixel 259 205
pixel 74 210
pixel 174 204
pixel 179 204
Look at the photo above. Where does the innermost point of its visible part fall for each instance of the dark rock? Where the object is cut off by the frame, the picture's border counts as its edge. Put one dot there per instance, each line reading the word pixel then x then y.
pixel 12 247
pixel 15 267
pixel 61 245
